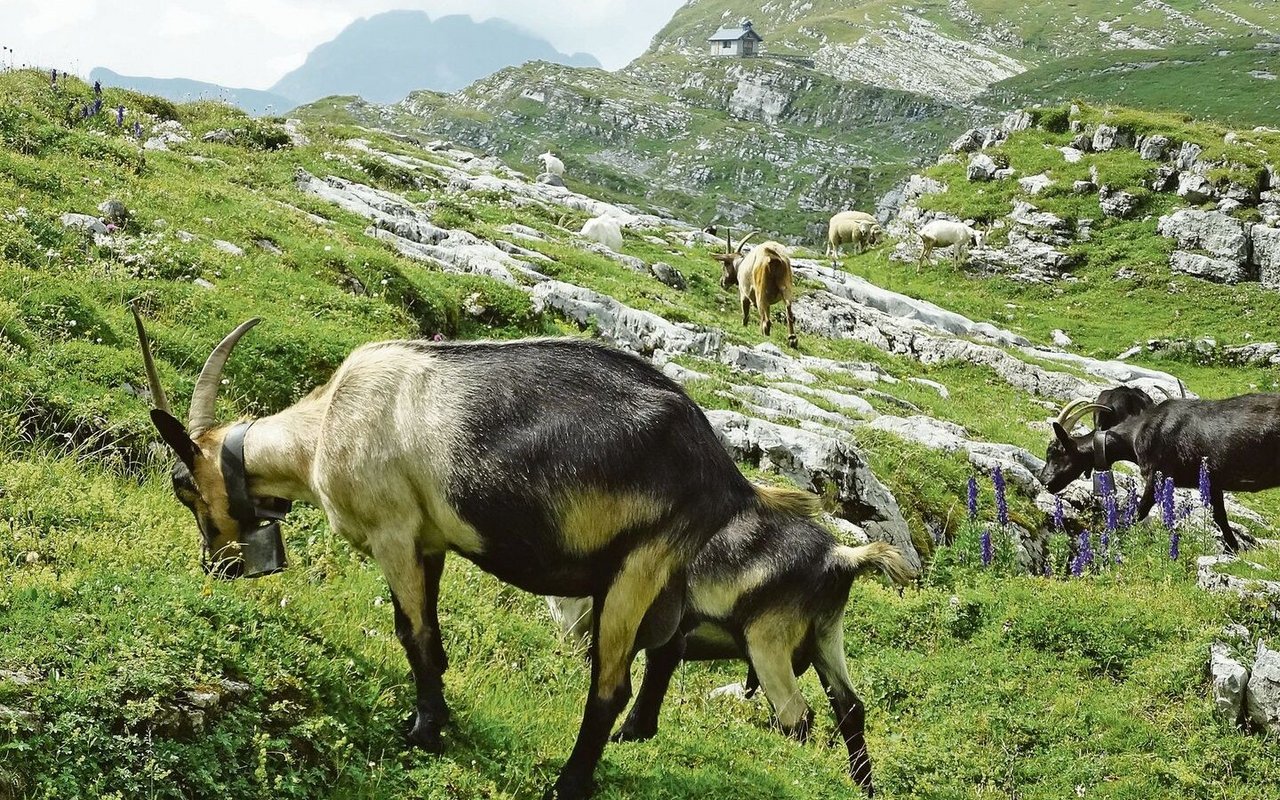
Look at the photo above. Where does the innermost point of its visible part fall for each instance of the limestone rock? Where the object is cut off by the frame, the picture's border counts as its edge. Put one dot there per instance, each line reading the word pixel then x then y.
pixel 1262 698
pixel 1266 254
pixel 221 135
pixel 1035 184
pixel 228 247
pixel 550 179
pixel 981 168
pixel 1116 203
pixel 642 332
pixel 1215 233
pixel 1154 148
pixel 1228 680
pixel 1195 188
pixel 665 273
pixel 84 222
pixel 1108 137
pixel 1217 270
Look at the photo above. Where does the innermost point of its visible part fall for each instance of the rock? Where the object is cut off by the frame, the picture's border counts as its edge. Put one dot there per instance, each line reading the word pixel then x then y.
pixel 775 404
pixel 981 168
pixel 1154 148
pixel 1254 354
pixel 1227 206
pixel 1195 188
pixel 1082 143
pixel 113 212
pixel 1213 269
pixel 641 332
pixel 1108 137
pixel 293 129
pixel 1004 173
pixel 155 143
pixel 17 678
pixel 269 246
pixel 1265 242
pixel 550 179
pixel 1016 121
pixel 665 273
pixel 228 247
pixel 823 464
pixel 1228 680
pixel 1071 154
pixel 184 236
pixel 681 374
pixel 523 231
pixel 942 391
pixel 202 283
pixel 1188 155
pixel 1060 338
pixel 1217 234
pixel 1035 184
pixel 1118 204
pixel 84 222
pixel 969 141
pixel 221 135
pixel 1084 187
pixel 1262 697
pixel 1166 178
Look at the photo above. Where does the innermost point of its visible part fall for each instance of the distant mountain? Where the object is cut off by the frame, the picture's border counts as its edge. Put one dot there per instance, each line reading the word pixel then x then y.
pixel 253 101
pixel 385 57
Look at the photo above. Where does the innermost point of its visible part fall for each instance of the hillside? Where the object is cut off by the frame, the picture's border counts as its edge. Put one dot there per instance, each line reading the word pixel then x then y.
pixel 955 49
pixel 124 671
pixel 182 90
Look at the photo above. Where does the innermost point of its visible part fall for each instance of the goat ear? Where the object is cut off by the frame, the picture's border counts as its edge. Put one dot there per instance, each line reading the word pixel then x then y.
pixel 176 437
pixel 1064 438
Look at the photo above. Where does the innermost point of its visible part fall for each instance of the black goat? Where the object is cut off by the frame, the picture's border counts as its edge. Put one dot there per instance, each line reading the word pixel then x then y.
pixel 1239 436
pixel 1118 404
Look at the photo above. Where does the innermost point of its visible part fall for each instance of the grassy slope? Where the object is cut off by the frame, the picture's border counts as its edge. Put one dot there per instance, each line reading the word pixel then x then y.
pixel 1225 89
pixel 1016 685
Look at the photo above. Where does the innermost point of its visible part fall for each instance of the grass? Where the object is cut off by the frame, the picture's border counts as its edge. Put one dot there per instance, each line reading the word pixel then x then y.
pixel 1017 686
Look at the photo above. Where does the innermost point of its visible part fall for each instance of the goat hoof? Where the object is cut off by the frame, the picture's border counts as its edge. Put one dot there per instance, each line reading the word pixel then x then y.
pixel 793 341
pixel 634 733
pixel 425 734
pixel 567 788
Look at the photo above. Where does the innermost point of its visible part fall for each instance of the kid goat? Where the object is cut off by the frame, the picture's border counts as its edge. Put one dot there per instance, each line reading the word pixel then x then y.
pixel 1239 436
pixel 770 588
pixel 559 466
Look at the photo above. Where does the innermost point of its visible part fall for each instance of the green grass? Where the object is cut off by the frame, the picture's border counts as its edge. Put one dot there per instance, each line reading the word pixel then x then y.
pixel 1017 686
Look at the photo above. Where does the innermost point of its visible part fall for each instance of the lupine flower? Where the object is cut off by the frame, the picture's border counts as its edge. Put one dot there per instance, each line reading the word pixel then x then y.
pixel 1086 548
pixel 1166 505
pixel 1104 543
pixel 987 554
pixel 973 498
pixel 1131 505
pixel 1205 491
pixel 119 116
pixel 137 129
pixel 1109 501
pixel 1002 503
pixel 1059 517
pixel 1174 540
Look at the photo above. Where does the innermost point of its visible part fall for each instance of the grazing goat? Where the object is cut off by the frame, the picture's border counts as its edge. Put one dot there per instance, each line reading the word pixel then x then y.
pixel 605 230
pixel 770 588
pixel 763 277
pixel 560 466
pixel 945 233
pixel 552 164
pixel 1239 437
pixel 1117 404
pixel 852 227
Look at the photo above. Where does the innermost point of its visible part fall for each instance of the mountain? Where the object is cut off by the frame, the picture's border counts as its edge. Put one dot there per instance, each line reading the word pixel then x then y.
pixel 182 90
pixel 386 56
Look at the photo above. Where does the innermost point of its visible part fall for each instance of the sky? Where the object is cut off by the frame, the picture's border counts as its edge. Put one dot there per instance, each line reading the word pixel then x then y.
pixel 253 43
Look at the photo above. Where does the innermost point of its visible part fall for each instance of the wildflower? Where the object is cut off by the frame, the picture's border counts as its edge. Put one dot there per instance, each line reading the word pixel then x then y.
pixel 439 337
pixel 1104 542
pixel 1059 516
pixel 1131 505
pixel 97 89
pixel 53 78
pixel 1086 548
pixel 1205 492
pixel 1002 503
pixel 1174 541
pixel 119 116
pixel 973 498
pixel 137 129
pixel 1109 502
pixel 987 554
pixel 1166 504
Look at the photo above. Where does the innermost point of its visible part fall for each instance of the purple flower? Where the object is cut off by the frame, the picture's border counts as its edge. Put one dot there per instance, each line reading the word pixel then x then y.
pixel 119 116
pixel 1077 565
pixel 439 337
pixel 97 89
pixel 1174 540
pixel 111 227
pixel 1048 568
pixel 987 554
pixel 1086 548
pixel 1131 505
pixel 137 129
pixel 973 498
pixel 1206 494
pixel 1109 500
pixel 1002 503
pixel 1104 543
pixel 1059 517
pixel 1166 504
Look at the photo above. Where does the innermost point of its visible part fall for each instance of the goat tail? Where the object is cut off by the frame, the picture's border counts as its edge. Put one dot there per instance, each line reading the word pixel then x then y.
pixel 785 500
pixel 887 558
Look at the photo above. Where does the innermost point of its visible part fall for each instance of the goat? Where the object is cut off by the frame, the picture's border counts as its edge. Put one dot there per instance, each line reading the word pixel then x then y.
pixel 1117 404
pixel 852 227
pixel 605 230
pixel 1239 437
pixel 552 164
pixel 763 277
pixel 770 588
pixel 945 233
pixel 560 466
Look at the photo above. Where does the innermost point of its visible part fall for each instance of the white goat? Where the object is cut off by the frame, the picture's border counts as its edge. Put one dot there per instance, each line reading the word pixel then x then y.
pixel 605 230
pixel 552 164
pixel 852 227
pixel 560 466
pixel 945 233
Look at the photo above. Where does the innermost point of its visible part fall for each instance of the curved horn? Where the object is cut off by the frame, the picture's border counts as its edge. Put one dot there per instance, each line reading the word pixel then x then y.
pixel 200 418
pixel 158 398
pixel 1079 413
pixel 728 240
pixel 746 239
pixel 1065 413
pixel 1155 387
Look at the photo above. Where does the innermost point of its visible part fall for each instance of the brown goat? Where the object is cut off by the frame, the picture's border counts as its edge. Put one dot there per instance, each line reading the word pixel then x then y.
pixel 763 277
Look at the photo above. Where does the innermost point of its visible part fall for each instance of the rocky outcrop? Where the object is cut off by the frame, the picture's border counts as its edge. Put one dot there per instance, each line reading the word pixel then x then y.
pixel 1116 203
pixel 1262 697
pixel 639 331
pixel 1223 241
pixel 981 168
pixel 1228 680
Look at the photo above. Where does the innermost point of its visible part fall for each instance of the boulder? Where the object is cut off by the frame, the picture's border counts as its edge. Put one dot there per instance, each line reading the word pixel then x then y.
pixel 981 168
pixel 1035 184
pixel 823 463
pixel 1262 697
pixel 1082 143
pixel 1016 121
pixel 1071 154
pixel 84 222
pixel 1265 241
pixel 228 247
pixel 1228 680
pixel 1004 173
pixel 550 179
pixel 665 273
pixel 1166 178
pixel 1215 233
pixel 1195 188
pixel 1188 155
pixel 1212 269
pixel 970 141
pixel 1084 187
pixel 113 211
pixel 221 135
pixel 1116 203
pixel 641 332
pixel 1109 137
pixel 1154 148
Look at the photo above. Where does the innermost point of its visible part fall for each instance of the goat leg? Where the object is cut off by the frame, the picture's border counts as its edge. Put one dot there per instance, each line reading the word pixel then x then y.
pixel 850 714
pixel 418 629
pixel 791 327
pixel 660 664
pixel 1219 503
pixel 746 311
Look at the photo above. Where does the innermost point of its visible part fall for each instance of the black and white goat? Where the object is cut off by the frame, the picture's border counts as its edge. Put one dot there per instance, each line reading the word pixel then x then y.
pixel 560 466
pixel 770 588
pixel 1238 436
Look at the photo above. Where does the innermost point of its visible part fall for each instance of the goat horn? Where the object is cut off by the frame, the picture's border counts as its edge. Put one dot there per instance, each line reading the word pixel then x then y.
pixel 746 239
pixel 1155 387
pixel 158 398
pixel 728 240
pixel 1067 409
pixel 1079 413
pixel 205 394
